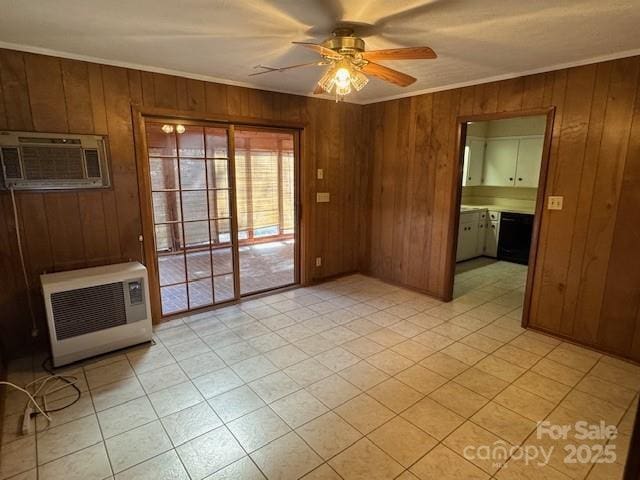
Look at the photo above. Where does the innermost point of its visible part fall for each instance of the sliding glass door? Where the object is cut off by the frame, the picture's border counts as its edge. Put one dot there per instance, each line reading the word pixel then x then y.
pixel 205 253
pixel 265 192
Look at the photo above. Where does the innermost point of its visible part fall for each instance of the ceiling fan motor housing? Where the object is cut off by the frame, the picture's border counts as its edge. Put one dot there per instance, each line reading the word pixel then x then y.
pixel 344 42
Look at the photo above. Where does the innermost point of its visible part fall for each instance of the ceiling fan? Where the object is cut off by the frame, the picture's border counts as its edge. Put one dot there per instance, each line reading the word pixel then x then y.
pixel 349 63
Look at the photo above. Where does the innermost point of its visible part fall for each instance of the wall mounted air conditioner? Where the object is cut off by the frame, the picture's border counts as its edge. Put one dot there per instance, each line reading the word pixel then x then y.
pixel 46 161
pixel 96 310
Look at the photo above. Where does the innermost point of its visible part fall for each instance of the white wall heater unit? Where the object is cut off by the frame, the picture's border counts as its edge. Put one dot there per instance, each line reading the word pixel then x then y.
pixel 96 310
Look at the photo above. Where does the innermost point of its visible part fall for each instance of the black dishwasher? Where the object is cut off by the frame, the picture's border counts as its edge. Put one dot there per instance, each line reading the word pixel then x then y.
pixel 514 241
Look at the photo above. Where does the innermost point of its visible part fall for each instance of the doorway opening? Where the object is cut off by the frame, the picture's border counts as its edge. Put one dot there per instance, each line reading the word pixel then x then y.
pixel 223 203
pixel 500 196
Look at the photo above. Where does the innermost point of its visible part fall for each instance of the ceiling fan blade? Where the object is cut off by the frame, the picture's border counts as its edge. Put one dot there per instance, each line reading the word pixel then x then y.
pixel 327 52
pixel 388 74
pixel 269 70
pixel 409 53
pixel 318 90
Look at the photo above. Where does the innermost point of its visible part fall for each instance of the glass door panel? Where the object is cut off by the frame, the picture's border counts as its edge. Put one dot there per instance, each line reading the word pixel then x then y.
pixel 189 170
pixel 265 198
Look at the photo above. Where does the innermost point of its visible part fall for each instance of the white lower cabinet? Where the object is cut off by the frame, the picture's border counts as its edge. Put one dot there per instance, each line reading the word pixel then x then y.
pixel 478 233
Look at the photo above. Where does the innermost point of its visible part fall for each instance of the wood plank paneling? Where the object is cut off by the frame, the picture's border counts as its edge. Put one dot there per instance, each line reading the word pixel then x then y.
pixel 66 230
pixel 586 285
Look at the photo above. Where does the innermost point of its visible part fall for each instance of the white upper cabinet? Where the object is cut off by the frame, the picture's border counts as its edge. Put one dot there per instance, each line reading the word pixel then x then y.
pixel 513 161
pixel 529 159
pixel 473 162
pixel 501 157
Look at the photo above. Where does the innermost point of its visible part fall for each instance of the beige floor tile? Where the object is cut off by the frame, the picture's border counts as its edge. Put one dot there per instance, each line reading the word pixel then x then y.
pixel 201 364
pixel 286 356
pixel 116 393
pixel 266 343
pixel 91 463
pixel 254 368
pixel 386 337
pixel 150 358
pixel 333 391
pixel 258 428
pixel 542 386
pixel 395 395
pixel 459 399
pixel 70 437
pixel 519 470
pixel 79 409
pixel 592 408
pixel 307 372
pixel 160 378
pixel 606 471
pixel 235 403
pixel 210 452
pixel 481 382
pixel 444 464
pixel 525 403
pixel 451 330
pixel 190 423
pixel 365 461
pixel 173 399
pixel 18 456
pixel 339 335
pixel 604 390
pixel 464 353
pixel 435 419
pixel 421 379
pixel 243 469
pixel 471 434
pixel 517 356
pixel 425 320
pixel 287 458
pixel 137 445
pixel 558 372
pixel 502 369
pixel 363 347
pixel 433 340
pixel 570 358
pixel 625 377
pixel 113 372
pixel 402 440
pixel 412 350
pixel 504 423
pixel 217 382
pixel 444 364
pixel 337 359
pixel 125 417
pixel 328 434
pixel 363 375
pixel 314 344
pixel 407 475
pixel 323 472
pixel 166 466
pixel 364 413
pixel 187 349
pixel 389 362
pixel 298 408
pixel 236 352
pixel 274 386
pixel 531 345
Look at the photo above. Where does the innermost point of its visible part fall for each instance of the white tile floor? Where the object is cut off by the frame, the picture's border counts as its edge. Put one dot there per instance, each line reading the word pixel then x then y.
pixel 352 379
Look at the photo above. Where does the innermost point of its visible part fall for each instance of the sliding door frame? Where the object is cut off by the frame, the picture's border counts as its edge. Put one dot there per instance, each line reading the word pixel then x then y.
pixel 141 115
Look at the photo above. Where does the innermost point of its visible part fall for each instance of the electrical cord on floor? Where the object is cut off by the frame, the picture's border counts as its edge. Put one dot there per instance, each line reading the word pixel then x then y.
pixel 65 380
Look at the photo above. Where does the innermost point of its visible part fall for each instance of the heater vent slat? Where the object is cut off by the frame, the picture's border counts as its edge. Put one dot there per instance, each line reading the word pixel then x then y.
pixel 90 309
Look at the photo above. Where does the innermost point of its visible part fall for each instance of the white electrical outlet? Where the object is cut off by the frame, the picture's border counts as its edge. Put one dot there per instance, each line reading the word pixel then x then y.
pixel 555 203
pixel 318 261
pixel 320 174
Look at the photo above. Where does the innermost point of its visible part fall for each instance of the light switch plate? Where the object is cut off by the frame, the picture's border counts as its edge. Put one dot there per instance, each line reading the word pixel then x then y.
pixel 320 174
pixel 323 197
pixel 318 261
pixel 555 203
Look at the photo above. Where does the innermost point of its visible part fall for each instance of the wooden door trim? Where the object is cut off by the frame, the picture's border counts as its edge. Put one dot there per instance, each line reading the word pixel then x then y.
pixel 450 266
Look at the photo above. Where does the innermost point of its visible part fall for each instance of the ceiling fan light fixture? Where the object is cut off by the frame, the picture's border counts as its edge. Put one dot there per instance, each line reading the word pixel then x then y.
pixel 328 80
pixel 358 80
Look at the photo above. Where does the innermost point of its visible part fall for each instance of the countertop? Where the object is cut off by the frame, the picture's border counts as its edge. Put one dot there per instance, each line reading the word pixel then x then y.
pixel 497 208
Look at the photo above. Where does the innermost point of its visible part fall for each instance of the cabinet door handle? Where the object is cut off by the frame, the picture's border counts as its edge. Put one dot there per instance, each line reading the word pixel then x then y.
pixel 511 179
pixel 520 179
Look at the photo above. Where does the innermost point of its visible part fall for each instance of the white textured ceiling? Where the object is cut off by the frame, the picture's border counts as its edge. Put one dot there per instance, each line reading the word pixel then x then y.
pixel 223 40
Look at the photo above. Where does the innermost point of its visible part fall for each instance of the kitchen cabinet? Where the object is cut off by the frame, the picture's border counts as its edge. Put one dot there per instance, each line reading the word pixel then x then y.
pixel 473 161
pixel 529 159
pixel 513 161
pixel 471 234
pixel 500 160
pixel 492 235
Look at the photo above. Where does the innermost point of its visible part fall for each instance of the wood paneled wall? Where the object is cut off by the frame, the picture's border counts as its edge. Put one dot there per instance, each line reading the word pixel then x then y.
pixel 587 278
pixel 68 230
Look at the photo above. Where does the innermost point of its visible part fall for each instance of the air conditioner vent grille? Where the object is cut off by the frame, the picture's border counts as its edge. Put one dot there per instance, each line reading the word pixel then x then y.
pixel 11 161
pixel 93 162
pixel 52 163
pixel 86 310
